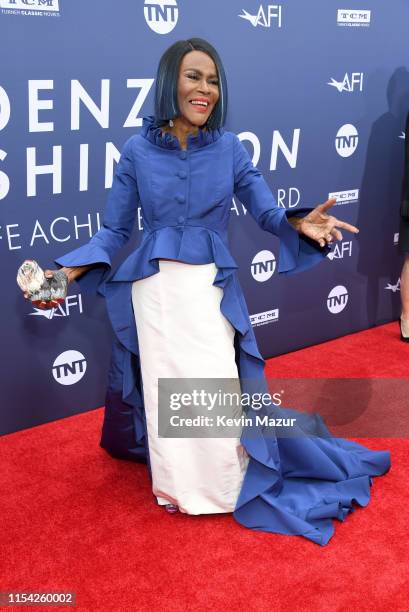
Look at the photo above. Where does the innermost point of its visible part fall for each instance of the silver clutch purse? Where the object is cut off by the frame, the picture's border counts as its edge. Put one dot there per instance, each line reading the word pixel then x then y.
pixel 47 292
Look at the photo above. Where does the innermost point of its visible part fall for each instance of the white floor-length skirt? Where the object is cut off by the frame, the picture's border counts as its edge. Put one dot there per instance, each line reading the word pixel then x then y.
pixel 183 334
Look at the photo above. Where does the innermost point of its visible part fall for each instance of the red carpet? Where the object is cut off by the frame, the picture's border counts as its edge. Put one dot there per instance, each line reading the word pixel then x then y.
pixel 74 519
pixel 376 352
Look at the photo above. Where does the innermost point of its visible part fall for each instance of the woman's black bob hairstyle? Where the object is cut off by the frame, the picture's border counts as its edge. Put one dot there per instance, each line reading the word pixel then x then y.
pixel 166 96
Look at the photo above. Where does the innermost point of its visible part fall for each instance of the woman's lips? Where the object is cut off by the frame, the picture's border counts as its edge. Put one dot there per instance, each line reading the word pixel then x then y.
pixel 199 107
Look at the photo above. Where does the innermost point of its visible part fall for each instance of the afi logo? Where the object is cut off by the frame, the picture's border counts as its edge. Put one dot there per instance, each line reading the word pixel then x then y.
pixel 339 250
pixel 161 15
pixel 263 266
pixel 348 83
pixel 346 140
pixel 263 18
pixel 393 288
pixel 62 310
pixel 69 367
pixel 337 299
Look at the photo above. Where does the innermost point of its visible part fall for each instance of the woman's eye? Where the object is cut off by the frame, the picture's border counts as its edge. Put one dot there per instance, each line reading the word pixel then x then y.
pixel 195 78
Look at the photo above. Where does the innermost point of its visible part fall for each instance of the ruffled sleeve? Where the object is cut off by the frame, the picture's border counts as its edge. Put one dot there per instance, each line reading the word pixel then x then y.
pixel 119 218
pixel 297 252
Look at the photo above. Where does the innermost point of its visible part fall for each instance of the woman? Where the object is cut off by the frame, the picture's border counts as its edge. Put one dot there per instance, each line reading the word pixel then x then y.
pixel 178 311
pixel 404 242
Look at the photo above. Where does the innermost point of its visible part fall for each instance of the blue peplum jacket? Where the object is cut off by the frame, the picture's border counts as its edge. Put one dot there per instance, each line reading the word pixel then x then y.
pixel 293 485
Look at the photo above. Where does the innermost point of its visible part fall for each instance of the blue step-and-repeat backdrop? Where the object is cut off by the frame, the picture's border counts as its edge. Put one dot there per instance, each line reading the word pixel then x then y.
pixel 318 92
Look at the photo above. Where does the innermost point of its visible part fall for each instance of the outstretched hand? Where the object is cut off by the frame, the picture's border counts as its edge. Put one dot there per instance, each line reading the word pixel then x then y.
pixel 320 226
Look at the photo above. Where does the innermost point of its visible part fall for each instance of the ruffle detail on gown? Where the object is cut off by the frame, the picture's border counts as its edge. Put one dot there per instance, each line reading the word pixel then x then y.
pixel 151 130
pixel 297 485
pixel 195 245
pixel 191 244
pixel 293 485
pixel 124 431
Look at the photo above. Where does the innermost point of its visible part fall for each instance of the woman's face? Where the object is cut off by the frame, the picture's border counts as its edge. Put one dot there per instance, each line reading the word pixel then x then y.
pixel 198 88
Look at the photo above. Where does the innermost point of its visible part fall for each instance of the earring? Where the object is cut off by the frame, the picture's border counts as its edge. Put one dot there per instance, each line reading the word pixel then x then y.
pixel 171 124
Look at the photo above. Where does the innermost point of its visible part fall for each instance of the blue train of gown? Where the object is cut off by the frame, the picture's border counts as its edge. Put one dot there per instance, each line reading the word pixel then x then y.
pixel 293 485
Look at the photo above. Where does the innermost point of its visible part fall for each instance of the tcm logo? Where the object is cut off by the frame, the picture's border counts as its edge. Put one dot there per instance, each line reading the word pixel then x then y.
pixel 349 83
pixel 31 6
pixel 264 17
pixel 263 318
pixel 69 367
pixel 345 197
pixel 161 15
pixel 346 140
pixel 353 18
pixel 337 299
pixel 341 250
pixel 393 288
pixel 263 266
pixel 62 310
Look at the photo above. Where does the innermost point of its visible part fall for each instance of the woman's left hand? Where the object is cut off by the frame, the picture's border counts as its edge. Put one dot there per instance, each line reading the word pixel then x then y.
pixel 320 226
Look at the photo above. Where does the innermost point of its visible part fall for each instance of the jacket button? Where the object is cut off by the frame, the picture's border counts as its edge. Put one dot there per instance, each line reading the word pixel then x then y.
pixel 182 174
pixel 181 219
pixel 183 155
pixel 180 198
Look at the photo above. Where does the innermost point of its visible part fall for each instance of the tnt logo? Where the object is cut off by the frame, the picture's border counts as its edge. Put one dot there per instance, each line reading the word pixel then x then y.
pixel 349 83
pixel 337 299
pixel 161 15
pixel 346 140
pixel 265 17
pixel 263 266
pixel 38 5
pixel 69 367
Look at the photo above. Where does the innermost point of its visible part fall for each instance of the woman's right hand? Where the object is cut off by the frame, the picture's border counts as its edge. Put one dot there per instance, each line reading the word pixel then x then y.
pixel 49 274
pixel 71 274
